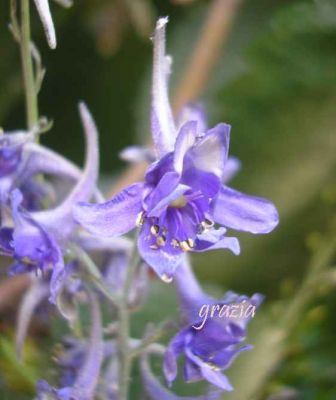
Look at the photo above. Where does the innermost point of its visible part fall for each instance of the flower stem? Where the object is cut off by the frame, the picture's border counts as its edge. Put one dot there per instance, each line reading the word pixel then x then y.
pixel 125 359
pixel 27 67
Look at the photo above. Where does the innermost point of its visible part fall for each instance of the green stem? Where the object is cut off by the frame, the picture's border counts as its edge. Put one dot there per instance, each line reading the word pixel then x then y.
pixel 27 67
pixel 125 359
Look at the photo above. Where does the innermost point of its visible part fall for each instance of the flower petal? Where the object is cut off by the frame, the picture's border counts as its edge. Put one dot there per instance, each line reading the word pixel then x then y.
pixel 155 390
pixel 211 152
pixel 194 112
pixel 185 140
pixel 215 239
pixel 165 192
pixel 164 260
pixel 174 349
pixel 47 22
pixel 212 376
pixel 113 218
pixel 231 167
pixel 244 213
pixel 163 126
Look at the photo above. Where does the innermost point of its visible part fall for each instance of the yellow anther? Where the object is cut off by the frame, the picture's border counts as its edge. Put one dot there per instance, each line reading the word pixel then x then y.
pixel 160 241
pixel 154 229
pixel 140 219
pixel 175 243
pixel 185 245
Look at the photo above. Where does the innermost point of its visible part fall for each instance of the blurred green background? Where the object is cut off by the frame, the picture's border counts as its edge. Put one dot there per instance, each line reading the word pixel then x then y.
pixel 275 83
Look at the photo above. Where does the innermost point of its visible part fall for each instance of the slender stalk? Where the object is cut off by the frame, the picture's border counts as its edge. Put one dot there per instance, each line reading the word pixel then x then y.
pixel 27 67
pixel 125 359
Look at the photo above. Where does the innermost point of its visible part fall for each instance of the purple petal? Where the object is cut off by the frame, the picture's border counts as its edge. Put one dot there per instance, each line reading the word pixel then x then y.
pixel 191 371
pixel 205 182
pixel 212 376
pixel 113 218
pixel 156 390
pixel 215 239
pixel 194 112
pixel 185 140
pixel 163 126
pixel 210 153
pixel 231 167
pixel 245 213
pixel 163 260
pixel 174 349
pixel 32 298
pixel 165 192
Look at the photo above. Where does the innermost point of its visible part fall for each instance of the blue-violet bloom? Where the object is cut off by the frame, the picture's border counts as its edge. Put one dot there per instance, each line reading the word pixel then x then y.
pixel 183 196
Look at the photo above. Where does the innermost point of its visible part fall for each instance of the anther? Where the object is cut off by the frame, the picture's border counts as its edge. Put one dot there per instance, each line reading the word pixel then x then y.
pixel 175 243
pixel 160 241
pixel 140 219
pixel 154 229
pixel 185 245
pixel 207 223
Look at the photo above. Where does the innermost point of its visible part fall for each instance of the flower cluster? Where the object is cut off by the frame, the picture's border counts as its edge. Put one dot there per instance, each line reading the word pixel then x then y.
pixel 183 205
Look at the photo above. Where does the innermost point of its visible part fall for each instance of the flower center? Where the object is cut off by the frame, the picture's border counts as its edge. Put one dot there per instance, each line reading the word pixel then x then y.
pixel 180 202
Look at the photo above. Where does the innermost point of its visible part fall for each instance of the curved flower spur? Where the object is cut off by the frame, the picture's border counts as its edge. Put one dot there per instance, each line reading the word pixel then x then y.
pixel 183 197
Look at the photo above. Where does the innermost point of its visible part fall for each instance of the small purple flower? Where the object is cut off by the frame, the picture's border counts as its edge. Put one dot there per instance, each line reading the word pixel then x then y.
pixel 183 198
pixel 209 345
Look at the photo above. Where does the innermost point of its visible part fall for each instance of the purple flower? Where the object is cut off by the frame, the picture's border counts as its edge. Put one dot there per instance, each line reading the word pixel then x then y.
pixel 183 196
pixel 21 160
pixel 209 341
pixel 37 240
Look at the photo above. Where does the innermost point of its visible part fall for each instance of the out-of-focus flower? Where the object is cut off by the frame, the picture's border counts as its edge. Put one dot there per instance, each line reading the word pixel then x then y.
pixel 46 19
pixel 81 371
pixel 155 389
pixel 183 195
pixel 38 238
pixel 208 342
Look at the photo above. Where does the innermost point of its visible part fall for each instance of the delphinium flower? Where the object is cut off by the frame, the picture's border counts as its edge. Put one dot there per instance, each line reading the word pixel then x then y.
pixel 211 340
pixel 37 239
pixel 183 200
pixel 46 19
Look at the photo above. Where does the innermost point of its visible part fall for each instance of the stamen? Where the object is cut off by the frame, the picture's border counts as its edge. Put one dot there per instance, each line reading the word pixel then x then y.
pixel 166 278
pixel 175 243
pixel 160 241
pixel 140 219
pixel 190 243
pixel 185 246
pixel 155 229
pixel 207 223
